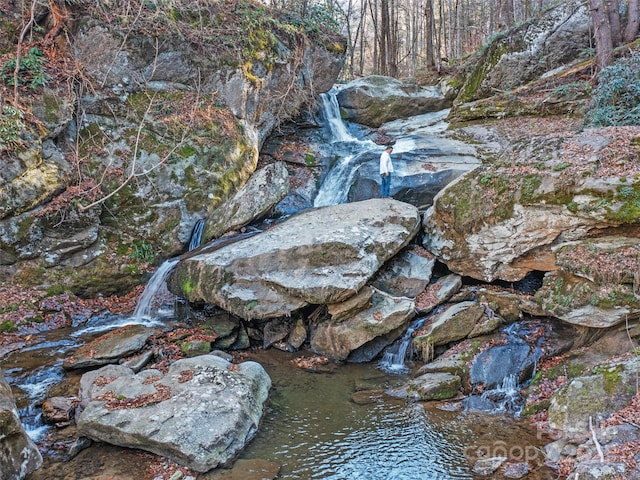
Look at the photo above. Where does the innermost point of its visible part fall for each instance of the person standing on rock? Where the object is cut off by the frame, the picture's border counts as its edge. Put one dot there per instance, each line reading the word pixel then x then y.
pixel 386 169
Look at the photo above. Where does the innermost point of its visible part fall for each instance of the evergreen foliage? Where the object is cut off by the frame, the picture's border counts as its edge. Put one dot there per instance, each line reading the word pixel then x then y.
pixel 616 99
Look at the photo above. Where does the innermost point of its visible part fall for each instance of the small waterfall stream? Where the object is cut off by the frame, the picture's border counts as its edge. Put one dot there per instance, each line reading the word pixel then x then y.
pixel 504 370
pixel 351 152
pixel 394 357
pixel 156 285
pixel 196 234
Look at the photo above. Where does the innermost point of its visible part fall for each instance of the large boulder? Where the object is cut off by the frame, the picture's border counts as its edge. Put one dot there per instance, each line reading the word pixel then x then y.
pixel 364 335
pixel 319 256
pixel 19 456
pixel 376 99
pixel 201 413
pixel 265 188
pixel 502 223
pixel 529 50
pixel 593 397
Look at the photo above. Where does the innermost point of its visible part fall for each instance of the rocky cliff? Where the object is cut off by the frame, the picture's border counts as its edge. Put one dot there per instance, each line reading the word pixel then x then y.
pixel 142 120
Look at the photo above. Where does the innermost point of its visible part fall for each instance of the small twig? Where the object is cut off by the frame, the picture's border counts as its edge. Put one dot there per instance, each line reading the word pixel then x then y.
pixel 631 423
pixel 595 440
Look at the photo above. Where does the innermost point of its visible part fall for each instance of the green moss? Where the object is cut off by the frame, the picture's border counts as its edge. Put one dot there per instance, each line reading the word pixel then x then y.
pixel 310 160
pixel 611 376
pixel 187 286
pixel 536 407
pixel 529 186
pixel 8 327
pixel 628 196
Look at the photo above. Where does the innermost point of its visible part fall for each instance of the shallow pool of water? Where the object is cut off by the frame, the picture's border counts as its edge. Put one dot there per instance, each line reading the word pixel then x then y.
pixel 315 430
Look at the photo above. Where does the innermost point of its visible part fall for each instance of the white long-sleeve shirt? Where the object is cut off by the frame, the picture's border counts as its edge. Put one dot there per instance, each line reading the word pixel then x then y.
pixel 385 163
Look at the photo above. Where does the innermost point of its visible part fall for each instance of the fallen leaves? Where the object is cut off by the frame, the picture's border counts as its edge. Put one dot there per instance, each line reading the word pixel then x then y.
pixel 117 402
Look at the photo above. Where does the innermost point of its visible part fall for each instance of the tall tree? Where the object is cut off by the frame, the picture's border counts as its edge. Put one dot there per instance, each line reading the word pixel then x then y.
pixel 633 23
pixel 602 31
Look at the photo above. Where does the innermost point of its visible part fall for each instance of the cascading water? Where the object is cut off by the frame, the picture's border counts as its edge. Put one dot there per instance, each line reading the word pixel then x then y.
pixel 331 114
pixel 394 357
pixel 502 368
pixel 350 151
pixel 156 285
pixel 196 234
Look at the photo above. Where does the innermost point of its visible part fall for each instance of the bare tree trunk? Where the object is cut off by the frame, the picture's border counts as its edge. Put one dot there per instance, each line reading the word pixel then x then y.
pixel 633 23
pixel 602 32
pixel 428 33
pixel 384 37
pixel 613 11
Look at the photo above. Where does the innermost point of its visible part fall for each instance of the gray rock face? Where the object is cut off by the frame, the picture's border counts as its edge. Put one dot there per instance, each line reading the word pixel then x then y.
pixel 178 172
pixel 495 364
pixel 363 336
pixel 435 386
pixel 375 100
pixel 455 323
pixel 610 388
pixel 318 256
pixel 110 348
pixel 530 50
pixel 407 274
pixel 200 414
pixel 19 456
pixel 265 188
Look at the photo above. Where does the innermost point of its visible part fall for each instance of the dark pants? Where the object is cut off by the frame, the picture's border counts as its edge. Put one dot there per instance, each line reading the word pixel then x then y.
pixel 385 184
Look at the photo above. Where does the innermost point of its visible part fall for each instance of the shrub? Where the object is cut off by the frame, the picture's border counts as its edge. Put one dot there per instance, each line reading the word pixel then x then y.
pixel 616 99
pixel 31 71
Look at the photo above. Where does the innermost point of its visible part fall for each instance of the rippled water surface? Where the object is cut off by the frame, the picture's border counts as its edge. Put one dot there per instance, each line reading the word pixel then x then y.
pixel 315 430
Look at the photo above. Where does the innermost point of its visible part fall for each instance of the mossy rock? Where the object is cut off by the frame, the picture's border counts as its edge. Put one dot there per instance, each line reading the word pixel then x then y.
pixel 609 388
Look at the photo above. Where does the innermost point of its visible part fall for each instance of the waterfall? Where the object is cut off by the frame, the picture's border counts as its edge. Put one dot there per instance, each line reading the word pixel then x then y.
pixel 156 285
pixel 393 360
pixel 505 397
pixel 331 113
pixel 196 234
pixel 501 367
pixel 350 151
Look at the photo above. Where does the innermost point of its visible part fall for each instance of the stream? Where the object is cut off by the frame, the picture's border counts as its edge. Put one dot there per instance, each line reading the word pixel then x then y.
pixel 337 423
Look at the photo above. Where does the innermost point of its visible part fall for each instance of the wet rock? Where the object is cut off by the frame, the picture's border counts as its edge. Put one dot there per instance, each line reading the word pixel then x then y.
pixel 319 256
pixel 488 466
pixel 363 336
pixel 365 397
pixel 435 386
pixel 19 456
pixel 200 413
pixel 455 364
pixel 493 365
pixel 110 348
